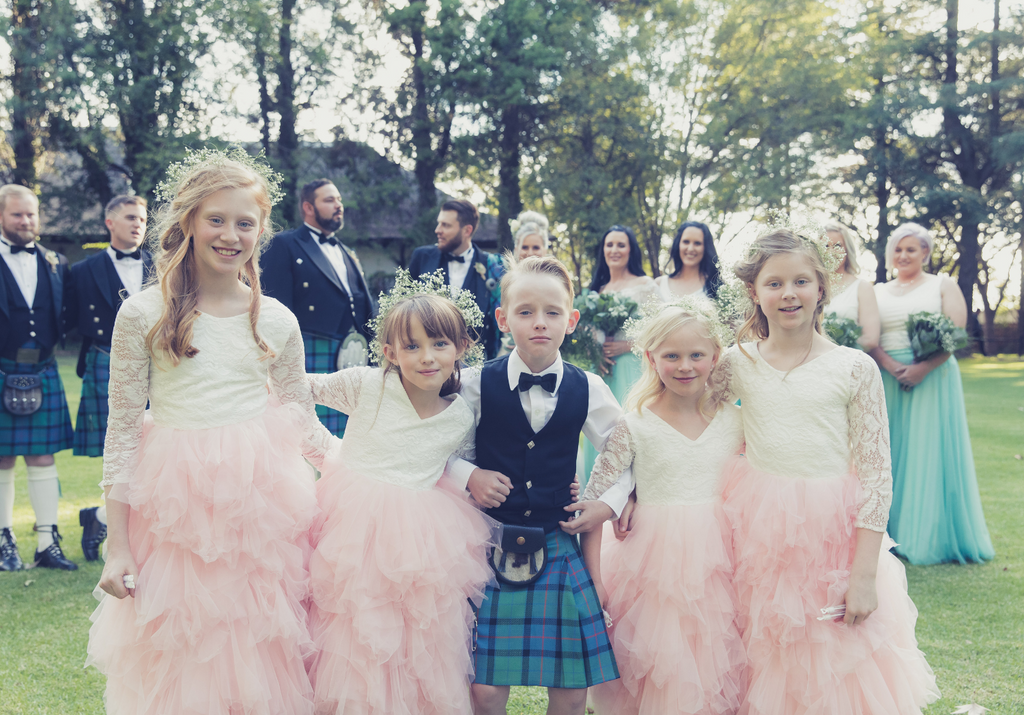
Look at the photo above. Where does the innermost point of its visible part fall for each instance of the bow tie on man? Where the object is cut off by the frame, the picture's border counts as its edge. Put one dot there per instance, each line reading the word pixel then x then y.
pixel 526 381
pixel 135 255
pixel 328 239
pixel 450 258
pixel 30 248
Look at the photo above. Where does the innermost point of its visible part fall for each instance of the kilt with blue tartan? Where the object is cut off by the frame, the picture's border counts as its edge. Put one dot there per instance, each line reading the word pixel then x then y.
pixel 91 422
pixel 550 633
pixel 322 357
pixel 46 431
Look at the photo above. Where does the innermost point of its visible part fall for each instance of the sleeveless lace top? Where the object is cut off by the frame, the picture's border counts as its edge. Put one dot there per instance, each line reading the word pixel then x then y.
pixel 385 439
pixel 895 309
pixel 641 293
pixel 666 294
pixel 225 383
pixel 821 419
pixel 669 468
pixel 846 304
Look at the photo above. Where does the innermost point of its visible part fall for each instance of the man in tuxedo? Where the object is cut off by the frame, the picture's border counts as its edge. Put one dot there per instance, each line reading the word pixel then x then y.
pixel 102 282
pixel 35 296
pixel 319 279
pixel 465 266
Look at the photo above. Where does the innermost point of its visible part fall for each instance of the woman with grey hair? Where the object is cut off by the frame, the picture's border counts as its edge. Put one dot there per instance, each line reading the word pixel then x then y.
pixel 853 298
pixel 530 232
pixel 936 511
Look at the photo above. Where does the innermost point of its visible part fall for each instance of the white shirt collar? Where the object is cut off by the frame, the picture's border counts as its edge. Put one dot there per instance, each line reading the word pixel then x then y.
pixel 6 244
pixel 111 251
pixel 316 231
pixel 516 365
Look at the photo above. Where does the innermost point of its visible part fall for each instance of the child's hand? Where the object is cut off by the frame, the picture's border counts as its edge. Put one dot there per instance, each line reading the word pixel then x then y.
pixel 117 567
pixel 574 490
pixel 861 600
pixel 624 524
pixel 592 515
pixel 489 488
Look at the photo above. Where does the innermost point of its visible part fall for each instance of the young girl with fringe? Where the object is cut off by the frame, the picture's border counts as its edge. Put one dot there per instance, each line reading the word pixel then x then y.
pixel 209 501
pixel 399 551
pixel 826 619
pixel 667 587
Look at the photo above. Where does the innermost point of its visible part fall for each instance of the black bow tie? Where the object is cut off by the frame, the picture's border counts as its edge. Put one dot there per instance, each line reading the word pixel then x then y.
pixel 30 248
pixel 328 239
pixel 449 258
pixel 526 381
pixel 136 254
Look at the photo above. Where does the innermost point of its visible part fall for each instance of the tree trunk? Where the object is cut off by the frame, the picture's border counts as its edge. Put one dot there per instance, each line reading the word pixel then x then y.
pixel 288 140
pixel 266 103
pixel 510 202
pixel 24 121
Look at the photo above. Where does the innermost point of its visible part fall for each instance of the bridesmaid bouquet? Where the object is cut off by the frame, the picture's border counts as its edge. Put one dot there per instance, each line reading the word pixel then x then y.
pixel 932 333
pixel 842 331
pixel 601 315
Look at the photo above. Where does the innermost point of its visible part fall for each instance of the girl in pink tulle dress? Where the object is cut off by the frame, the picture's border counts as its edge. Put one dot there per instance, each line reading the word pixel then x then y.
pixel 399 551
pixel 667 586
pixel 808 505
pixel 209 500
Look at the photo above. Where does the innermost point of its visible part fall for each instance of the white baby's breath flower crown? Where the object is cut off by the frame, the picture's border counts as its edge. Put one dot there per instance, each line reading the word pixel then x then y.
pixel 432 284
pixel 210 157
pixel 698 306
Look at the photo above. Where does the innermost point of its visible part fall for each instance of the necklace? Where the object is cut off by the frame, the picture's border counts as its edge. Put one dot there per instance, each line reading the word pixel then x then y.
pixel 904 286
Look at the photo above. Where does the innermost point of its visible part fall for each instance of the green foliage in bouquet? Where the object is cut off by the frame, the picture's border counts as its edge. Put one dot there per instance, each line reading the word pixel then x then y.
pixel 843 331
pixel 601 315
pixel 932 333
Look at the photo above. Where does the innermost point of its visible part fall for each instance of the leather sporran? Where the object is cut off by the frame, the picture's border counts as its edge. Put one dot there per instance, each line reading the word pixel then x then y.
pixel 23 394
pixel 522 556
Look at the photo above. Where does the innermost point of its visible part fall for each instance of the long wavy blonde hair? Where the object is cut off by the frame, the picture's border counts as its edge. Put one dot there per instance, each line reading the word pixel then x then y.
pixel 650 387
pixel 176 270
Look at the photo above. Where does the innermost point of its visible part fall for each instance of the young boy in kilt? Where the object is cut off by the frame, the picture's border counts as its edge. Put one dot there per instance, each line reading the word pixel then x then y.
pixel 530 408
pixel 35 293
pixel 102 282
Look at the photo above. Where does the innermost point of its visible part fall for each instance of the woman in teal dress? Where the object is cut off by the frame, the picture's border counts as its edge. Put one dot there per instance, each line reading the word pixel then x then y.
pixel 619 270
pixel 936 511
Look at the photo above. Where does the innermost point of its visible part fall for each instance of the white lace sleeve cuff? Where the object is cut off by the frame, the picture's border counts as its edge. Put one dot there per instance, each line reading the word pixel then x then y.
pixel 339 390
pixel 289 384
pixel 614 459
pixel 869 440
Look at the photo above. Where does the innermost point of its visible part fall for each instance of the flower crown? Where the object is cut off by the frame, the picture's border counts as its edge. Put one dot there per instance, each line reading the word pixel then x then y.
pixel 698 306
pixel 209 157
pixel 431 284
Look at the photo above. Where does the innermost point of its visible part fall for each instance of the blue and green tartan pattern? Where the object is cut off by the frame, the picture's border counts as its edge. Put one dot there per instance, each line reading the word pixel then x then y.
pixel 48 430
pixel 551 633
pixel 322 357
pixel 91 423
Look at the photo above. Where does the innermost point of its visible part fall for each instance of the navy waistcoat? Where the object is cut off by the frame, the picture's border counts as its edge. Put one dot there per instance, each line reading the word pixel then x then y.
pixel 541 465
pixel 35 323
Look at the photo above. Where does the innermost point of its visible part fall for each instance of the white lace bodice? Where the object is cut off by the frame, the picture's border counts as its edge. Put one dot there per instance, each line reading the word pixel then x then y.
pixel 669 468
pixel 821 419
pixel 666 294
pixel 385 439
pixel 847 303
pixel 225 383
pixel 895 309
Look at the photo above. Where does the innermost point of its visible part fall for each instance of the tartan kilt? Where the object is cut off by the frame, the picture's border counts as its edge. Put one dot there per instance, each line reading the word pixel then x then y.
pixel 48 430
pixel 322 357
pixel 550 633
pixel 91 422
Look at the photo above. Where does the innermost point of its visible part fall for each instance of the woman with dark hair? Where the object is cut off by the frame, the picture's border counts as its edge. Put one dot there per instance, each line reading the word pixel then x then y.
pixel 694 264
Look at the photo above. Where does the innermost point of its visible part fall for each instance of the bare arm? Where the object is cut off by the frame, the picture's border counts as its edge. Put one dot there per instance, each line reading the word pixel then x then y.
pixel 120 562
pixel 862 597
pixel 867 316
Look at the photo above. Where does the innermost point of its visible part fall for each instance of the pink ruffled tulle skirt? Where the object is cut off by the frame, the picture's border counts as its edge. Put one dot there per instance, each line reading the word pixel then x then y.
pixel 393 572
pixel 218 527
pixel 794 542
pixel 671 600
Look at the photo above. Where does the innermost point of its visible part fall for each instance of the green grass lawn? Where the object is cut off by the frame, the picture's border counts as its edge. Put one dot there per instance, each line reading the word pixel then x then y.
pixel 971 624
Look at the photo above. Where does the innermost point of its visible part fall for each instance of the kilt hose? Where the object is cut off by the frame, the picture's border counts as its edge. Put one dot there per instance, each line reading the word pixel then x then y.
pixel 322 357
pixel 91 422
pixel 46 431
pixel 551 633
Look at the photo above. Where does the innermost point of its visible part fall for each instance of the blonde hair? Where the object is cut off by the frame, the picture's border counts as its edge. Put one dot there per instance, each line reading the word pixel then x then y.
pixel 440 318
pixel 176 270
pixel 657 330
pixel 9 190
pixel 902 231
pixel 534 265
pixel 851 246
pixel 530 223
pixel 778 242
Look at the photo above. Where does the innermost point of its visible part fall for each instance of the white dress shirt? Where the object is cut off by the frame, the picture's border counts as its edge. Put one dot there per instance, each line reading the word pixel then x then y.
pixel 129 270
pixel 24 267
pixel 334 254
pixel 457 271
pixel 538 405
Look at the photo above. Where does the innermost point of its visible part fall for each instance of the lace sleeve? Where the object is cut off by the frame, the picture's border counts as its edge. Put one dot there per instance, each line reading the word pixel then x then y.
pixel 129 392
pixel 869 439
pixel 289 384
pixel 339 390
pixel 616 457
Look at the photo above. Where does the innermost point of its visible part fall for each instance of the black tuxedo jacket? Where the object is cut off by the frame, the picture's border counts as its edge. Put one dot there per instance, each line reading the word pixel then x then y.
pixel 297 273
pixel 61 285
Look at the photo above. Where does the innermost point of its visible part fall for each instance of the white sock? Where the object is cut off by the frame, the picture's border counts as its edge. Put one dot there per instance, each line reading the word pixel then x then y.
pixel 6 498
pixel 44 493
pixel 101 515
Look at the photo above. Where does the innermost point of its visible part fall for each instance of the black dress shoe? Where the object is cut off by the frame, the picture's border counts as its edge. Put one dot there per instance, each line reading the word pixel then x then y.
pixel 10 559
pixel 93 533
pixel 52 557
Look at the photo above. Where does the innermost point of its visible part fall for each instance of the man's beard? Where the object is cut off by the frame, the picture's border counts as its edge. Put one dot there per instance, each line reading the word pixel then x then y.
pixel 22 238
pixel 330 224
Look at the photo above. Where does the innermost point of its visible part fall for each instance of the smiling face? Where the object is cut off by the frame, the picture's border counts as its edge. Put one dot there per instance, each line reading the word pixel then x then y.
pixel 20 219
pixel 616 249
pixel 532 245
pixel 691 246
pixel 127 226
pixel 539 314
pixel 684 360
pixel 225 230
pixel 788 291
pixel 425 363
pixel 909 257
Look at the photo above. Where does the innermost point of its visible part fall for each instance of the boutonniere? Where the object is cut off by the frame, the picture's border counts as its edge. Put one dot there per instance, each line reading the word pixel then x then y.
pixel 52 259
pixel 354 257
pixel 481 269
